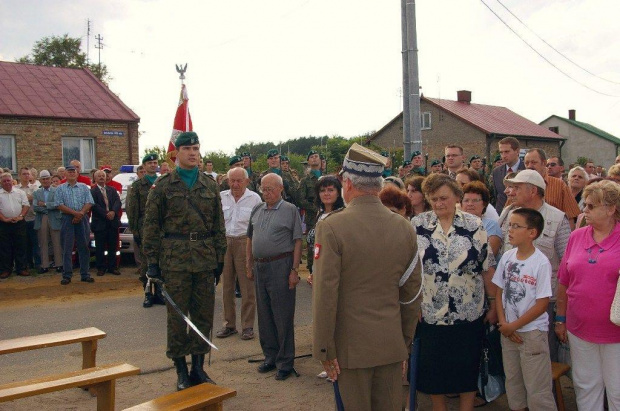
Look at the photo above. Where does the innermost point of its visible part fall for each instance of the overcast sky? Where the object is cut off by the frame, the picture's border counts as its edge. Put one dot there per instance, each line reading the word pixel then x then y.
pixel 279 69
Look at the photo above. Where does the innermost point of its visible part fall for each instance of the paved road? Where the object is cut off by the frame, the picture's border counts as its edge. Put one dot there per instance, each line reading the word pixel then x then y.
pixel 134 334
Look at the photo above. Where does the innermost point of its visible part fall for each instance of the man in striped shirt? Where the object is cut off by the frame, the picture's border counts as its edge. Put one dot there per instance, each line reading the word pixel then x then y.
pixel 557 194
pixel 74 202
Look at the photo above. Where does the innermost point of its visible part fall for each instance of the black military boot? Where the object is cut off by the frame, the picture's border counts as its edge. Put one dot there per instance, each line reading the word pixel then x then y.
pixel 182 375
pixel 148 299
pixel 159 297
pixel 198 374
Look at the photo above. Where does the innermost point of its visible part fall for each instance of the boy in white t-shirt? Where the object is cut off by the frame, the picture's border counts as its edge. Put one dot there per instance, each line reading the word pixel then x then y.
pixel 523 279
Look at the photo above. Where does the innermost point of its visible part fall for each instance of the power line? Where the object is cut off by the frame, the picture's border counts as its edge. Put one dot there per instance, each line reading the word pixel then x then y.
pixel 543 57
pixel 553 48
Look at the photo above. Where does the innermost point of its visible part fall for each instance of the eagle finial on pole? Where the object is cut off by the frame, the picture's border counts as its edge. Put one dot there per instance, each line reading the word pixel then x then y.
pixel 181 70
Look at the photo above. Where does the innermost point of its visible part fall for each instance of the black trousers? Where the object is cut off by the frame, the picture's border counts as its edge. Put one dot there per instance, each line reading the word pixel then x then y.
pixel 13 246
pixel 106 240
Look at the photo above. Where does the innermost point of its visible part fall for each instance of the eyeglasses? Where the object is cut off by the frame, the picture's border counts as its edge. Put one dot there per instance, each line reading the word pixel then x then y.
pixel 472 200
pixel 590 207
pixel 552 164
pixel 267 189
pixel 515 226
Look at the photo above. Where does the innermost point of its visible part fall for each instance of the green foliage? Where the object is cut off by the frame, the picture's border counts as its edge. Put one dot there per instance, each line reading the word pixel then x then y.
pixel 63 51
pixel 582 161
pixel 220 160
pixel 300 145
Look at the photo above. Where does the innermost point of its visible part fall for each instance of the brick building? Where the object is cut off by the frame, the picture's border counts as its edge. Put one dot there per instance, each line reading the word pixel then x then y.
pixel 584 140
pixel 475 127
pixel 51 115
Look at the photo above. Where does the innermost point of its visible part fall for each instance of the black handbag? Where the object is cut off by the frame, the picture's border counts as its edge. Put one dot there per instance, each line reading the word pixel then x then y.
pixel 491 379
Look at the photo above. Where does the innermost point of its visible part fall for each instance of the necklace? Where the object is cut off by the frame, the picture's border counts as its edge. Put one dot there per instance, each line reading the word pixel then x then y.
pixel 594 260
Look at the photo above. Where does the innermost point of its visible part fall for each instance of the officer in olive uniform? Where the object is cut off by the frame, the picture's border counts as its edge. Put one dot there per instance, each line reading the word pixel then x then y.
pixel 273 161
pixel 306 194
pixel 136 207
pixel 364 305
pixel 247 164
pixel 417 162
pixel 436 166
pixel 290 184
pixel 184 241
pixel 234 161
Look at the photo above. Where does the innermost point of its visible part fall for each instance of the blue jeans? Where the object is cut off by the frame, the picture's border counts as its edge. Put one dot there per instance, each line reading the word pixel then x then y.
pixel 78 234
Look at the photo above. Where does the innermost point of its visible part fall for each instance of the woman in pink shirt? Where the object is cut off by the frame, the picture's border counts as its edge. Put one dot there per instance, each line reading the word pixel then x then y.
pixel 588 276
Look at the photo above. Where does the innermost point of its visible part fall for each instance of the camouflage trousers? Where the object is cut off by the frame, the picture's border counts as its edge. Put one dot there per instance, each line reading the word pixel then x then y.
pixel 194 293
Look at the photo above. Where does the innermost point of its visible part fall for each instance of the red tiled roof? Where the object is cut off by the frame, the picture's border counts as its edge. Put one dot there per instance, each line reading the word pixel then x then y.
pixel 54 92
pixel 493 119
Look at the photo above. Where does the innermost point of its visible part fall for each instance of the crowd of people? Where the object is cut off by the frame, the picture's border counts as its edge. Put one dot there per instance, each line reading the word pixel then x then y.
pixel 439 253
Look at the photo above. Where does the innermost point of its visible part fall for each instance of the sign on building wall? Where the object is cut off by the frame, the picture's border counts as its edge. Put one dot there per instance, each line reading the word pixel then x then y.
pixel 113 133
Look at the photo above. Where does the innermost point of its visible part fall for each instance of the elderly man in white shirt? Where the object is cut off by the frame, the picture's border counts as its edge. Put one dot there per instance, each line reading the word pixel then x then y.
pixel 237 204
pixel 14 205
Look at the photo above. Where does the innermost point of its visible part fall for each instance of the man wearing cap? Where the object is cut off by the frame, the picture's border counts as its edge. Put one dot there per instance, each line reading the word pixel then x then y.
pixel 273 251
pixel 363 295
pixel 47 222
pixel 80 178
pixel 14 205
pixel 436 166
pixel 107 169
pixel 323 164
pixel 136 209
pixel 529 191
pixel 184 240
pixel 290 184
pixel 387 171
pixel 253 176
pixel 417 165
pixel 306 196
pixel 475 163
pixel 74 202
pixel 105 222
pixel 407 167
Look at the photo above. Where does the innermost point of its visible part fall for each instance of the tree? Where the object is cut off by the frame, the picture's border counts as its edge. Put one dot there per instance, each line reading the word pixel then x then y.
pixel 159 150
pixel 63 51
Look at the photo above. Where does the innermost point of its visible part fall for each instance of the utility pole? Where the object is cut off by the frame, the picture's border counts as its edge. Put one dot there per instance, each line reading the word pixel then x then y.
pixel 88 41
pixel 99 46
pixel 412 135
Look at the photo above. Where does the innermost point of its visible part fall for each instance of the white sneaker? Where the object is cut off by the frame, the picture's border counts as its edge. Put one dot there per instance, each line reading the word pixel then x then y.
pixel 323 374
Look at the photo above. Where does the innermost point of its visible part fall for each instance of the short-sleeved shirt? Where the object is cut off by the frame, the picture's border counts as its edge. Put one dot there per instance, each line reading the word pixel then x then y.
pixel 237 213
pixel 274 230
pixel 590 286
pixel 11 203
pixel 559 196
pixel 453 263
pixel 524 282
pixel 74 196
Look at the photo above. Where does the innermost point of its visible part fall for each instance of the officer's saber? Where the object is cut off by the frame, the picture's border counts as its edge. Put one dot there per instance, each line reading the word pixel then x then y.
pixel 187 320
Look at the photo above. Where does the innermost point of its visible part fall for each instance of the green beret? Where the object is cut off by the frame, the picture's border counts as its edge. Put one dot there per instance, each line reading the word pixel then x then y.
pixel 311 153
pixel 187 138
pixel 245 154
pixel 284 158
pixel 385 153
pixel 321 156
pixel 234 160
pixel 435 163
pixel 150 157
pixel 272 153
pixel 474 157
pixel 415 154
pixel 406 163
pixel 497 158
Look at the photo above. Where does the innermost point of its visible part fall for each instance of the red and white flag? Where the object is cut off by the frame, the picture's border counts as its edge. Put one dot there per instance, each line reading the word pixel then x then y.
pixel 182 122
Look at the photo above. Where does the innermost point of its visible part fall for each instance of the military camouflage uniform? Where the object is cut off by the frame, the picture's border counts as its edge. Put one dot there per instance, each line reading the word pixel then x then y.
pixel 305 198
pixel 290 186
pixel 136 208
pixel 187 263
pixel 414 172
pixel 254 180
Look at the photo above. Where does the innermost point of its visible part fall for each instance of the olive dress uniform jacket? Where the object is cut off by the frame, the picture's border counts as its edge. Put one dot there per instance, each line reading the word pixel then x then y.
pixel 361 254
pixel 136 204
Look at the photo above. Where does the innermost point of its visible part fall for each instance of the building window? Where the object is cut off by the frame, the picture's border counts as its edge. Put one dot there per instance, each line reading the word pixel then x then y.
pixel 7 152
pixel 81 149
pixel 425 120
pixel 556 130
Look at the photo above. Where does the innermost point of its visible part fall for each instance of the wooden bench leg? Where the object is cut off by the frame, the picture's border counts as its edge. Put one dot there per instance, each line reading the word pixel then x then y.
pixel 89 354
pixel 106 395
pixel 558 395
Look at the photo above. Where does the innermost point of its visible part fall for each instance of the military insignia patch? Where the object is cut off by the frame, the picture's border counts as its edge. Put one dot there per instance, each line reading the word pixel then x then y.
pixel 317 251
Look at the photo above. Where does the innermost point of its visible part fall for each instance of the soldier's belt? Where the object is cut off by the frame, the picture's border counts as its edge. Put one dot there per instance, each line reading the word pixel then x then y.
pixel 195 236
pixel 274 258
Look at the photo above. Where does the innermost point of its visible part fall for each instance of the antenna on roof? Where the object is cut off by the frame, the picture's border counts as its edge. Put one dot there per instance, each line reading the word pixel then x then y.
pixel 181 70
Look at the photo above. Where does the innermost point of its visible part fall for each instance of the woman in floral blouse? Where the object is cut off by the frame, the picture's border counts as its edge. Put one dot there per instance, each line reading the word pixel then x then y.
pixel 458 267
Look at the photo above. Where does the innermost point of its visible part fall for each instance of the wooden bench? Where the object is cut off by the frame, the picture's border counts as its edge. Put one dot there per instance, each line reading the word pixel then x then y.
pixel 87 336
pixel 102 379
pixel 557 370
pixel 207 397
